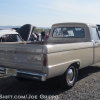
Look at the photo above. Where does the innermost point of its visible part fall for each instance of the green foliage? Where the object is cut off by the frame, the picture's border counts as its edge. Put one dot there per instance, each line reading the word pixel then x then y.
pixel 39 30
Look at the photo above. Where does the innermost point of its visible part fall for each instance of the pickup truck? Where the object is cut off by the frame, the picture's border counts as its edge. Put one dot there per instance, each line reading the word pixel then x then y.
pixel 70 47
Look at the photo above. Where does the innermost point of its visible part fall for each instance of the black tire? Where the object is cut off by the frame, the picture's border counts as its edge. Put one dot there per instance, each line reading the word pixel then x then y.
pixel 20 78
pixel 68 79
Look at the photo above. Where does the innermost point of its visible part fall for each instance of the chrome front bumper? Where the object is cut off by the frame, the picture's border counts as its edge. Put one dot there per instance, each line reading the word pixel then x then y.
pixel 27 74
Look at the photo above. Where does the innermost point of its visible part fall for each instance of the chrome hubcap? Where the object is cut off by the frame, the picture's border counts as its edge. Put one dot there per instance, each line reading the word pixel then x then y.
pixel 70 75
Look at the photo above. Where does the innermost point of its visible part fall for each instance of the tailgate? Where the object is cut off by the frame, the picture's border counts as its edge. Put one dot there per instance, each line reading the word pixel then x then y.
pixel 21 56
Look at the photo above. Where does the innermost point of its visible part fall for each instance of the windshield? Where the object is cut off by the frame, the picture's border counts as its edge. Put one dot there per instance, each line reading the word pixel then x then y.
pixel 36 34
pixel 10 38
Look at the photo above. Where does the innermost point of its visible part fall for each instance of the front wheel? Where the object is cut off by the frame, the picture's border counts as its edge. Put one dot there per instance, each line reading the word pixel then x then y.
pixel 69 78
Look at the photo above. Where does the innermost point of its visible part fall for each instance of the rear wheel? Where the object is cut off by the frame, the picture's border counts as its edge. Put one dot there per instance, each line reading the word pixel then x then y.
pixel 69 78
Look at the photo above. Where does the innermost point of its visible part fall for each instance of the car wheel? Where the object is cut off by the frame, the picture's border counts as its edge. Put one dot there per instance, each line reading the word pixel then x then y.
pixel 69 78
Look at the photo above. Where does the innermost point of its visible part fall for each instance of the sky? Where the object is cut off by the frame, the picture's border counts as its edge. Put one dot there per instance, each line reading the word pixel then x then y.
pixel 45 13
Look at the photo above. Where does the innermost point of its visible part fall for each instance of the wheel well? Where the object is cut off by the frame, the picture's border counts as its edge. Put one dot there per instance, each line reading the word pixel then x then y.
pixel 77 64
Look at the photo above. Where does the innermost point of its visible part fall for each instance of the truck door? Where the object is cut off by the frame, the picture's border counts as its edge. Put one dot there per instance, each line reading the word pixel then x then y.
pixel 96 41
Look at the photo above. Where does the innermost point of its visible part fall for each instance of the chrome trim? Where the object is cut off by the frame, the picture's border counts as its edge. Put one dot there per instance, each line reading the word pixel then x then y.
pixel 2 70
pixel 34 74
pixel 27 74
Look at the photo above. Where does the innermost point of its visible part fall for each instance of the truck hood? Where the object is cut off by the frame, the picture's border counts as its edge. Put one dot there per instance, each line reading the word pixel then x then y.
pixel 25 31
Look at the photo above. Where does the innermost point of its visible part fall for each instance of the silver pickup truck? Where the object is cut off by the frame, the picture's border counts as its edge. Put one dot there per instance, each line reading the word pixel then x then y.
pixel 70 46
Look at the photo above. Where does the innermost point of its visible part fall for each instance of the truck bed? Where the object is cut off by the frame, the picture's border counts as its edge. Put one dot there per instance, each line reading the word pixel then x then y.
pixel 25 56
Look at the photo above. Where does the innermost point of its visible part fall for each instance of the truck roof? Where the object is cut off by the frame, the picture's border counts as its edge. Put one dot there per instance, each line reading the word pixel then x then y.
pixel 74 23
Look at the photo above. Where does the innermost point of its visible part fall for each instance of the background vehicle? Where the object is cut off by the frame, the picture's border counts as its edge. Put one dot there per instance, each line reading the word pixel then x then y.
pixel 9 36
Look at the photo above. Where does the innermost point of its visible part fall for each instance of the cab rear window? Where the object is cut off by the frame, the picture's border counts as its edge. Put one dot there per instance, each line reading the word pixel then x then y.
pixel 69 32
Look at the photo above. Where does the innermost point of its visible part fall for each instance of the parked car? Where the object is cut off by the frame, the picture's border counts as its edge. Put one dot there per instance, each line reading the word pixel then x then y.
pixel 70 47
pixel 9 36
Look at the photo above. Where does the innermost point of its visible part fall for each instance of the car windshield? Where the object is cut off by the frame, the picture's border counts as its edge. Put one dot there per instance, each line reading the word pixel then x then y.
pixel 10 38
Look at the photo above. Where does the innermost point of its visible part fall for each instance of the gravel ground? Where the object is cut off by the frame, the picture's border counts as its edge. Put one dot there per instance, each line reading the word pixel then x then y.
pixel 86 88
